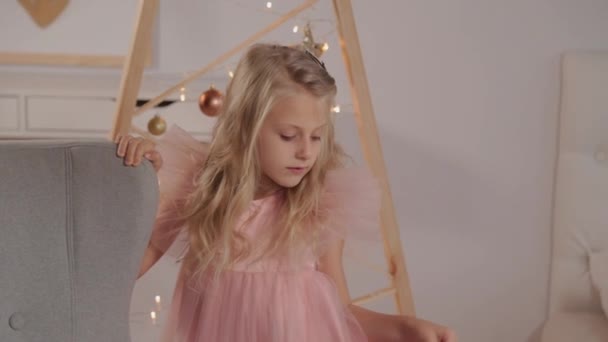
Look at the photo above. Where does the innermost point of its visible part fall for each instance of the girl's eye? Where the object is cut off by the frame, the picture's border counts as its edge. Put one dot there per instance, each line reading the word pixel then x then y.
pixel 287 137
pixel 316 138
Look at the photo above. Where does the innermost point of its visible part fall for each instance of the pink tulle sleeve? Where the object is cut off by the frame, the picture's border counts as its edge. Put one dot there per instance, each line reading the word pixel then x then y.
pixel 183 156
pixel 351 206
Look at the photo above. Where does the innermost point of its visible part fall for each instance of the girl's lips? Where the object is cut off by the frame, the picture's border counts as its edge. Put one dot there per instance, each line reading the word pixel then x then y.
pixel 297 170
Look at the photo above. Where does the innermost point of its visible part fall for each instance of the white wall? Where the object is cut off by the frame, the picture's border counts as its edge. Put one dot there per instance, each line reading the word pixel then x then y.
pixel 466 94
pixel 78 20
pixel 466 97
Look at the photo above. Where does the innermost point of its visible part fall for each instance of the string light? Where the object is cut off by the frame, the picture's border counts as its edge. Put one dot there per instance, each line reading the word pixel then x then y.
pixel 157 300
pixel 336 109
pixel 231 74
pixel 324 47
pixel 269 4
pixel 182 95
pixel 153 317
pixel 295 29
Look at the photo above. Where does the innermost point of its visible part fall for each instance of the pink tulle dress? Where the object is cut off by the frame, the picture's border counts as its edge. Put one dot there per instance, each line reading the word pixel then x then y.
pixel 261 301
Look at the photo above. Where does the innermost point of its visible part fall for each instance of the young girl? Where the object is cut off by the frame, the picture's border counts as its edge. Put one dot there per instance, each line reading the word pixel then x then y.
pixel 259 216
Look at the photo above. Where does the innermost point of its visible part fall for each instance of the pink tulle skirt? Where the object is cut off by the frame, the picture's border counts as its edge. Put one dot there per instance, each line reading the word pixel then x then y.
pixel 296 306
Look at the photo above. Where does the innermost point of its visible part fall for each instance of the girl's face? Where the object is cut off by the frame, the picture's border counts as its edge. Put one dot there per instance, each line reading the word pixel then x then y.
pixel 289 141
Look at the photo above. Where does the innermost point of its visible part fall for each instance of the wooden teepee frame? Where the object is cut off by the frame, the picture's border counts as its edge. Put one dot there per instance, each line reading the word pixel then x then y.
pixel 364 113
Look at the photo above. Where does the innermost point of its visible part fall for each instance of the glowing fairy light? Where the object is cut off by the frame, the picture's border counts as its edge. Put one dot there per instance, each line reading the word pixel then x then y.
pixel 231 74
pixel 153 317
pixel 182 95
pixel 157 301
pixel 295 29
pixel 269 4
pixel 336 109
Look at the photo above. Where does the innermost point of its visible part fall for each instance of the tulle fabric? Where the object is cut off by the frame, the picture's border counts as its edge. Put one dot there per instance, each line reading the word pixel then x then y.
pixel 260 300
pixel 268 299
pixel 298 306
pixel 183 157
pixel 350 206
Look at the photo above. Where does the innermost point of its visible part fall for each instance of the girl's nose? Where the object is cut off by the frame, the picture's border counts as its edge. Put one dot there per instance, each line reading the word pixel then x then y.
pixel 304 150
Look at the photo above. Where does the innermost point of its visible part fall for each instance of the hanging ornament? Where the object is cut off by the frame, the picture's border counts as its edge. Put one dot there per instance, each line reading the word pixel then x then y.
pixel 157 125
pixel 211 101
pixel 309 42
pixel 44 12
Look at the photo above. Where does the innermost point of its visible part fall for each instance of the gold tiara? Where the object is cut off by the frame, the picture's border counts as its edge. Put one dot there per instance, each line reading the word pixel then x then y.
pixel 314 58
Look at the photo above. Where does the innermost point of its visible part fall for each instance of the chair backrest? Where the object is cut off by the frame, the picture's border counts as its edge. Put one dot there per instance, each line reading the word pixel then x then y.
pixel 74 225
pixel 581 193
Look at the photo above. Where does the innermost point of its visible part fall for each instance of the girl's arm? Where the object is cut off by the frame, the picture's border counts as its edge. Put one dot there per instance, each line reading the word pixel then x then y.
pixel 371 322
pixel 134 150
pixel 182 156
pixel 380 327
pixel 151 256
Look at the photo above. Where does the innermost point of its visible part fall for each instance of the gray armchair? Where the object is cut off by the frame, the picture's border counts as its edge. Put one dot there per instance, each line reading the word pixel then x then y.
pixel 74 225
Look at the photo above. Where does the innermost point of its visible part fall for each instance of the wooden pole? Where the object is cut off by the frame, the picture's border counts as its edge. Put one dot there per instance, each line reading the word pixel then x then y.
pixel 134 67
pixel 374 295
pixel 372 151
pixel 221 59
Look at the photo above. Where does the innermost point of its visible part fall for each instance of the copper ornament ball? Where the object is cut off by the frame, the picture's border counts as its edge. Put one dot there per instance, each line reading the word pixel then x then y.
pixel 210 102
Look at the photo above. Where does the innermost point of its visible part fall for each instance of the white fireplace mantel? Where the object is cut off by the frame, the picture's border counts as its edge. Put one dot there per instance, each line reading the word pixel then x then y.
pixel 49 104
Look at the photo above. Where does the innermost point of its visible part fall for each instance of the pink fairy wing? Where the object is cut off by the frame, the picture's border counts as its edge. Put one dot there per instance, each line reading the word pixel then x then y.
pixel 350 206
pixel 183 157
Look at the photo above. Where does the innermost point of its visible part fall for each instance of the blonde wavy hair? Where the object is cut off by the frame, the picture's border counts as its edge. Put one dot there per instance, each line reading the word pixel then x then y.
pixel 228 180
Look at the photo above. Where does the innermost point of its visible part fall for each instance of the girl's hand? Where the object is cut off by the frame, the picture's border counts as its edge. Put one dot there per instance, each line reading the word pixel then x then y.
pixel 381 327
pixel 413 329
pixel 133 150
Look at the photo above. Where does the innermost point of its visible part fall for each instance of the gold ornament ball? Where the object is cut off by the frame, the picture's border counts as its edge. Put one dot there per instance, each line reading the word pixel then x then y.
pixel 210 102
pixel 157 125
